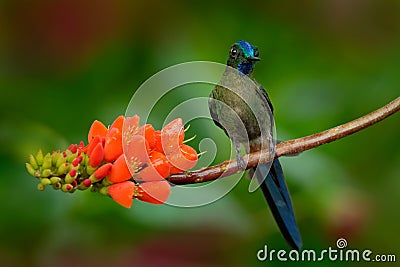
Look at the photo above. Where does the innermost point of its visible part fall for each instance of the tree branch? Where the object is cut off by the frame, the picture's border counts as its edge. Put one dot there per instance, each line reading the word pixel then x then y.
pixel 294 146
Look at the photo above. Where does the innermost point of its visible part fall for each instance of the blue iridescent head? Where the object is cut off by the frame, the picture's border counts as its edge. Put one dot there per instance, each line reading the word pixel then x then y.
pixel 243 56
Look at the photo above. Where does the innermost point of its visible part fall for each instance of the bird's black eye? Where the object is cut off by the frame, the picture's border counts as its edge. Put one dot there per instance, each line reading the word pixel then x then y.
pixel 234 52
pixel 256 53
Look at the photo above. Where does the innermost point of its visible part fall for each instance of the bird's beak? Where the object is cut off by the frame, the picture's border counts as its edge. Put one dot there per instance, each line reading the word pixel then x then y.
pixel 251 58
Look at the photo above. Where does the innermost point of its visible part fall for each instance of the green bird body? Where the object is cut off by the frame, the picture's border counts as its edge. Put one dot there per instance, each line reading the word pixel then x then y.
pixel 241 107
pixel 247 106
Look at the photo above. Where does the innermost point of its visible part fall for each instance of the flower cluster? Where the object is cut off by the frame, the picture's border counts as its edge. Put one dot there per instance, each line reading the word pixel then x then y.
pixel 124 161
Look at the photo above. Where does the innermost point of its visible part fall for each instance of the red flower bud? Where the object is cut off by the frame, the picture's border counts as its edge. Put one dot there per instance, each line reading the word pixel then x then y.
pixel 77 160
pixel 73 148
pixel 81 145
pixel 103 171
pixel 89 148
pixel 72 172
pixel 97 155
pixel 87 182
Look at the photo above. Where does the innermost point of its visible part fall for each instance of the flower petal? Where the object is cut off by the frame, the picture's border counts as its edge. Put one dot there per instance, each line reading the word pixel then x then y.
pixel 119 171
pixel 147 131
pixel 157 142
pixel 89 148
pixel 113 145
pixel 170 136
pixel 118 123
pixel 97 128
pixel 157 170
pixel 183 159
pixel 154 192
pixel 122 193
pixel 136 152
pixel 130 128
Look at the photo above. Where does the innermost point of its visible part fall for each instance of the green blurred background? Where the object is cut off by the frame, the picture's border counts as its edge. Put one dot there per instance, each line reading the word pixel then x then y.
pixel 65 63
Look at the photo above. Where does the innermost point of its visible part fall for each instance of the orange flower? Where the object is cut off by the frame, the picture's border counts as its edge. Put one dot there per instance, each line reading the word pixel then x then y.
pixel 120 153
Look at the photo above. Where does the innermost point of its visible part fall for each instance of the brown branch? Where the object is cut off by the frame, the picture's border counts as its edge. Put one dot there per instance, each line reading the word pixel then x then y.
pixel 290 147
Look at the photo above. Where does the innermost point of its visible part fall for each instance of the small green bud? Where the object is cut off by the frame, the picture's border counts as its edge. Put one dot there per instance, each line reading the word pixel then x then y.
pixel 106 182
pixel 93 179
pixel 47 161
pixel 45 173
pixel 90 170
pixel 69 179
pixel 55 179
pixel 45 181
pixel 71 156
pixel 61 160
pixel 54 157
pixel 94 189
pixel 57 186
pixel 104 191
pixel 85 160
pixel 41 187
pixel 30 169
pixel 85 184
pixel 67 187
pixel 64 168
pixel 39 157
pixel 33 162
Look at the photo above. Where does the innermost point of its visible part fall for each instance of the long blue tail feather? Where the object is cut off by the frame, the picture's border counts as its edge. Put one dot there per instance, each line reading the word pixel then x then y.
pixel 277 195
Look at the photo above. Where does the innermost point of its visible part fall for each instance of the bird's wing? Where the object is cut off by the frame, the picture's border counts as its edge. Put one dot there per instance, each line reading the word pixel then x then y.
pixel 213 110
pixel 261 90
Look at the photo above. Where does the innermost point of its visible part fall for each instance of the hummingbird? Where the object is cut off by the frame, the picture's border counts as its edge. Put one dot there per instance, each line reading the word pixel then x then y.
pixel 248 107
